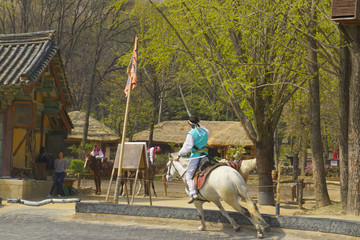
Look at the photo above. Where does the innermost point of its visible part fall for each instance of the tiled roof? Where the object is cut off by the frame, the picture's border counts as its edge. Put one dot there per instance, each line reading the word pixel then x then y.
pixel 23 57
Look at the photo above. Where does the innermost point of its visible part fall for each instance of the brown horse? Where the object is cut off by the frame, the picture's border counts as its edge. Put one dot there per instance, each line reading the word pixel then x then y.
pixel 95 171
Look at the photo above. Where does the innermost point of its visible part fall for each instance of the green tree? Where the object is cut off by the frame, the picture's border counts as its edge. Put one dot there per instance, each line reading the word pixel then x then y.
pixel 247 63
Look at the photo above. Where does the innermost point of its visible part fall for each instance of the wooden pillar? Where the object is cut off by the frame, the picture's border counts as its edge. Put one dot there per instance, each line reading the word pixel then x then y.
pixel 300 191
pixel 5 168
pixel 163 179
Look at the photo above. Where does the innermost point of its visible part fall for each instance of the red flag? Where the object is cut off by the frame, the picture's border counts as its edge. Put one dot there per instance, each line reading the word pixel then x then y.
pixel 132 69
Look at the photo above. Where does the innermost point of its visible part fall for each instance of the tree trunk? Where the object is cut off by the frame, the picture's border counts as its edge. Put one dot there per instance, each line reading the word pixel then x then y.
pixel 276 148
pixel 151 135
pixel 326 150
pixel 303 150
pixel 265 164
pixel 295 166
pixel 353 199
pixel 344 81
pixel 321 193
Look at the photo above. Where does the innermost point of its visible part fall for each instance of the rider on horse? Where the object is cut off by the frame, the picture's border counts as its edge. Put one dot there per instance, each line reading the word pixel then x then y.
pixel 196 140
pixel 98 154
pixel 152 155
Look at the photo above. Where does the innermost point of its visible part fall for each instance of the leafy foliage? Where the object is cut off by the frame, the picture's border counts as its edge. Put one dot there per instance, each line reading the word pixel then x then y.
pixel 77 166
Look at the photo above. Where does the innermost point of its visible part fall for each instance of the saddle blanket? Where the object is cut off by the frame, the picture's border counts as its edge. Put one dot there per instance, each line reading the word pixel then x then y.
pixel 201 176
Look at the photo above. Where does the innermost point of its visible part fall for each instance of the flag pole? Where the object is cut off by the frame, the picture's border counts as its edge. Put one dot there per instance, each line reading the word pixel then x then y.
pixel 118 179
pixel 132 75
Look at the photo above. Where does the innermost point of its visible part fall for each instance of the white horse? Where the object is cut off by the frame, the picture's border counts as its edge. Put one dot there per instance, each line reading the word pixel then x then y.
pixel 223 183
pixel 245 167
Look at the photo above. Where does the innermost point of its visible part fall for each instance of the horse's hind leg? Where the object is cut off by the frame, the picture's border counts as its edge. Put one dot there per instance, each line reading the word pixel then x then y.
pixel 225 214
pixel 252 214
pixel 199 207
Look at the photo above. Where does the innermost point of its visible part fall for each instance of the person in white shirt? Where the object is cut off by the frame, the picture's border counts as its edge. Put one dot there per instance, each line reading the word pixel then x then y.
pixel 97 153
pixel 196 140
pixel 152 153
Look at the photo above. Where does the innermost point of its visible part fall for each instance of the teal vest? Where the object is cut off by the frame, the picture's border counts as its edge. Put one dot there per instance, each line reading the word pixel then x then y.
pixel 199 141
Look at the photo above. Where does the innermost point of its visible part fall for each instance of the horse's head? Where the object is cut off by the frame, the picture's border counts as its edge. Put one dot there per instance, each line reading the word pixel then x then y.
pixel 175 168
pixel 171 170
pixel 89 160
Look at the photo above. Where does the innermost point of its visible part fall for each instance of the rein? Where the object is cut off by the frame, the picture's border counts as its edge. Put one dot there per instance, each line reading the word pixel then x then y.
pixel 172 164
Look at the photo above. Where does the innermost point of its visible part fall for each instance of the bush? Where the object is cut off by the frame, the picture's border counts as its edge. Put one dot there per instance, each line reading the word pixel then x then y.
pixel 77 166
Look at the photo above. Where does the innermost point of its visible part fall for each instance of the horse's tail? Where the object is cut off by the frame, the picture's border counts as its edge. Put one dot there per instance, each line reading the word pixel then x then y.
pixel 252 208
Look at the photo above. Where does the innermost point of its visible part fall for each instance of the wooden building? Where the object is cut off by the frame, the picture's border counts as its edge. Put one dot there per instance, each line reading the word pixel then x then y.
pixel 170 135
pixel 34 97
pixel 98 134
pixel 346 11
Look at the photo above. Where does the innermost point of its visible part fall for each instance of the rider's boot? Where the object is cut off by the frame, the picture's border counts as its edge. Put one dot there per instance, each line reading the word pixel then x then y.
pixel 192 190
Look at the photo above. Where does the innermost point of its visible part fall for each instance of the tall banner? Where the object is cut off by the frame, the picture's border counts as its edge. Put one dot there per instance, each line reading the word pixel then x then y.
pixel 132 70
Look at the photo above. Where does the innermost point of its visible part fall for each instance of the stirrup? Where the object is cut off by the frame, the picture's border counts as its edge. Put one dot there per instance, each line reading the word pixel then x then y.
pixel 193 198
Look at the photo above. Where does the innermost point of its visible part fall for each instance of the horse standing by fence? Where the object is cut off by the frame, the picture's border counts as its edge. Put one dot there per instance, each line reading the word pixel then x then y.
pixel 223 183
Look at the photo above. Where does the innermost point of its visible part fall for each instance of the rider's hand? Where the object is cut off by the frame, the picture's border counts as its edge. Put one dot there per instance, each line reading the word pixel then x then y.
pixel 176 159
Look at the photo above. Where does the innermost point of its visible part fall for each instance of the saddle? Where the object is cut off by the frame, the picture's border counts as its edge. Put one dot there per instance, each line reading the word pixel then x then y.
pixel 203 171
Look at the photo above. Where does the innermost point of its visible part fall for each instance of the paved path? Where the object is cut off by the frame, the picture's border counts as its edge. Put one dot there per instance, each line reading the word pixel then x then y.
pixel 59 221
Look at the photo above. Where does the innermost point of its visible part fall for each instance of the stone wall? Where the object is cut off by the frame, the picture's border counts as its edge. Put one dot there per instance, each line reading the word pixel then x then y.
pixel 24 188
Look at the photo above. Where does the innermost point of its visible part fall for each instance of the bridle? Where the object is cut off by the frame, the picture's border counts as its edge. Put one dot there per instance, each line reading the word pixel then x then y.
pixel 168 175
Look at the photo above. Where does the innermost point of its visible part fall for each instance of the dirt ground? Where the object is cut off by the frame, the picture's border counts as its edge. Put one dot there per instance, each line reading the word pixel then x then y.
pixel 175 196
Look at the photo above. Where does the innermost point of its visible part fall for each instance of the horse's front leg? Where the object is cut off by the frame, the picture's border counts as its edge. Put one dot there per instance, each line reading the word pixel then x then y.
pixel 199 207
pixel 96 180
pixel 153 187
pixel 225 214
pixel 99 183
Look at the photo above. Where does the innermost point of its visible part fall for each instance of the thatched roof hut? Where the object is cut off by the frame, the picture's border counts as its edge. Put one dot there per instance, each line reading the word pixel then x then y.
pixel 227 133
pixel 98 132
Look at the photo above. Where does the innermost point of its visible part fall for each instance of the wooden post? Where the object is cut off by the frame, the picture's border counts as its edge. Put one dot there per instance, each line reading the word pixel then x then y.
pixel 118 179
pixel 163 179
pixel 150 199
pixel 109 187
pixel 134 186
pixel 278 190
pixel 78 180
pixel 297 190
pixel 125 189
pixel 300 196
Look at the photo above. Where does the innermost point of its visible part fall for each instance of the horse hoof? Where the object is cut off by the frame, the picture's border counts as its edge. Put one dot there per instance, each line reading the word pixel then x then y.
pixel 237 228
pixel 260 235
pixel 201 228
